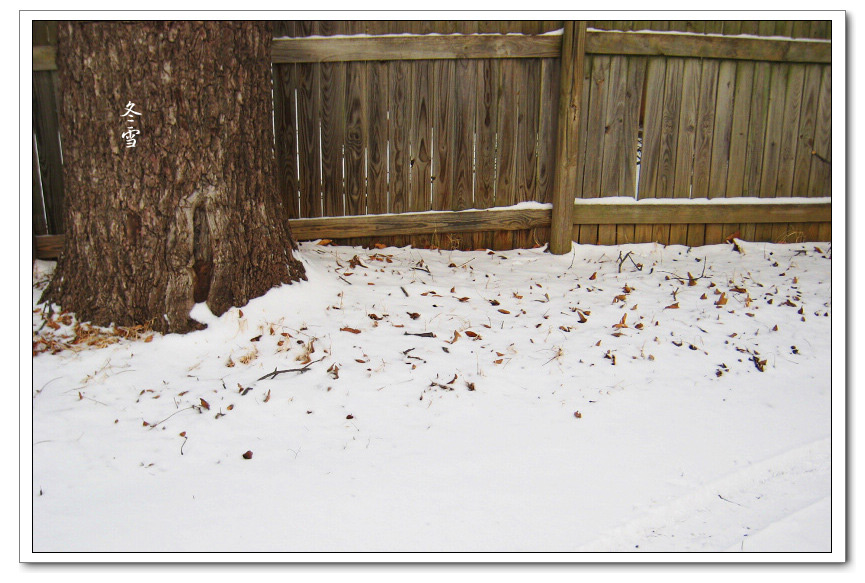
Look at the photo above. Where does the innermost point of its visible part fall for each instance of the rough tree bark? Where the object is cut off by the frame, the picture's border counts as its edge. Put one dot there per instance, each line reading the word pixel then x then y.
pixel 191 211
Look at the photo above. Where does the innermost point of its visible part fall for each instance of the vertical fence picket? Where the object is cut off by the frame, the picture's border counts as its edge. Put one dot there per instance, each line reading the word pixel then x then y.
pixel 703 142
pixel 722 134
pixel 652 126
pixel 419 137
pixel 398 140
pixel 686 130
pixel 506 161
pixel 548 105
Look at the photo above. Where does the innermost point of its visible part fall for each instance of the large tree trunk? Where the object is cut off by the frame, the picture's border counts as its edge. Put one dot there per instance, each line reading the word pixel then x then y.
pixel 190 212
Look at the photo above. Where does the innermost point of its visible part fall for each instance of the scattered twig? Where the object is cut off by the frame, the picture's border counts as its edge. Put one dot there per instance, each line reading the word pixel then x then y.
pixel 303 369
pixel 627 255
pixel 441 386
pixel 403 291
pixel 152 425
pixel 185 439
pixel 422 334
pixel 345 280
pixel 684 279
pixel 730 501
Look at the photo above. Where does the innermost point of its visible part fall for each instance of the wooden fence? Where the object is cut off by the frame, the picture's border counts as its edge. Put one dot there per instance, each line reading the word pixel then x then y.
pixel 372 129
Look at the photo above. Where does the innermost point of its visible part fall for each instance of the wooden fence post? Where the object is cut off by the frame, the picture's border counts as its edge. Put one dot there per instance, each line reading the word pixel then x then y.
pixel 570 100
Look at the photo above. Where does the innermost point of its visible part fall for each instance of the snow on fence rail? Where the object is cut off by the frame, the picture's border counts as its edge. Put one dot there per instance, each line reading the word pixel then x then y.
pixel 378 121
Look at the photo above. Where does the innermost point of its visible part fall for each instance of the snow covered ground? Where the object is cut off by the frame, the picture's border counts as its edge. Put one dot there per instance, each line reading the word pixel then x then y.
pixel 618 399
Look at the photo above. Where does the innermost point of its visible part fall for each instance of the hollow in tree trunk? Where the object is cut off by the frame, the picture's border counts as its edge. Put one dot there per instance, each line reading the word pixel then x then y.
pixel 171 190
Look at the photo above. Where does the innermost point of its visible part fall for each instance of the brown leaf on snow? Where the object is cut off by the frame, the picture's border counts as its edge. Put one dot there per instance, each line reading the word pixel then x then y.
pixel 504 311
pixel 413 315
pixel 352 330
pixel 620 298
pixel 674 306
pixel 578 415
pixel 247 455
pixel 722 301
pixel 455 338
pixel 464 299
pixel 621 323
pixel 704 297
pixel 204 403
pixel 333 371
pixel 593 276
pixel 471 334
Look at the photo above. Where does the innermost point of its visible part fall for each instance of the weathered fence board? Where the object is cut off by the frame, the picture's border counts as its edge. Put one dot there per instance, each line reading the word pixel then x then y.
pixel 309 166
pixel 820 178
pixel 46 127
pixel 420 136
pixel 506 155
pixel 486 111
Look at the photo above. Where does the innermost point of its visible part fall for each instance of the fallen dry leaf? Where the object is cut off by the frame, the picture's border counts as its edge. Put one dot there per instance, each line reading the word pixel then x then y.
pixel 352 330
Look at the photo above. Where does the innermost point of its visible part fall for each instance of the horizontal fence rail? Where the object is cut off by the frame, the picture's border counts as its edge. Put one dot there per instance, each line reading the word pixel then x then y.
pixel 509 219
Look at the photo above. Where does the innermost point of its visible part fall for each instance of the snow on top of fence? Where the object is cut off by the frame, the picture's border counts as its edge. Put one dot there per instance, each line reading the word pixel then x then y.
pixel 717 201
pixel 710 34
pixel 556 32
pixel 559 31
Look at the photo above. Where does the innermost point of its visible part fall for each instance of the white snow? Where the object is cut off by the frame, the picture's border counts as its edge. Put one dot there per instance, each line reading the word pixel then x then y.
pixel 698 201
pixel 412 35
pixel 714 34
pixel 703 425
